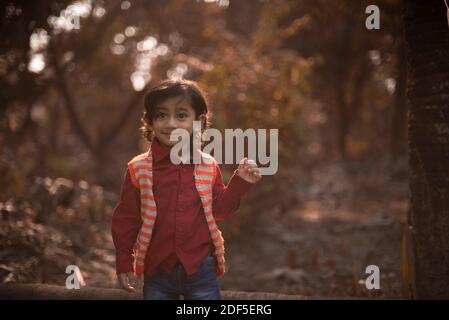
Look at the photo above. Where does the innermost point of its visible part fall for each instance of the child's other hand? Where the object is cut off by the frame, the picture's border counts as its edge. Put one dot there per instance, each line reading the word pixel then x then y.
pixel 249 171
pixel 127 281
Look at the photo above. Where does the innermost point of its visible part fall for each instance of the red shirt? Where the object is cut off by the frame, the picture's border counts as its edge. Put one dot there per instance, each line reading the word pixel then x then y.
pixel 180 231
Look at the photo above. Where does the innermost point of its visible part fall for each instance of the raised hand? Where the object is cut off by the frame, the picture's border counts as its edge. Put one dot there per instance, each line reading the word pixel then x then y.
pixel 249 171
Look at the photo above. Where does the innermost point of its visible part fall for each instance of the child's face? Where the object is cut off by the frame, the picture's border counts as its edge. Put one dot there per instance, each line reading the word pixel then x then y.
pixel 171 114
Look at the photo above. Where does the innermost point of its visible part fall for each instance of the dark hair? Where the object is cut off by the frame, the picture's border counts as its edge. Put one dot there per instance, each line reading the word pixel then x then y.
pixel 169 89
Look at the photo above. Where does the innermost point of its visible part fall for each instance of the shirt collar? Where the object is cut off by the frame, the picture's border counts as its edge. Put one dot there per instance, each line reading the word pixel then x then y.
pixel 159 153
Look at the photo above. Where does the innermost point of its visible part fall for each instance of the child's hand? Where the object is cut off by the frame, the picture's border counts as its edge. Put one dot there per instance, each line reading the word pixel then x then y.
pixel 127 281
pixel 249 171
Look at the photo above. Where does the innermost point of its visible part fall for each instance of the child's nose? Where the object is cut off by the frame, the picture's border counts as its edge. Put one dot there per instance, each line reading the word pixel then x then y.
pixel 172 123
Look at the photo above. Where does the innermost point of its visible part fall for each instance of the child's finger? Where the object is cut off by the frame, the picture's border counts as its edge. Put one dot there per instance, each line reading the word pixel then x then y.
pixel 251 162
pixel 130 288
pixel 253 169
pixel 123 279
pixel 243 161
pixel 257 175
pixel 132 279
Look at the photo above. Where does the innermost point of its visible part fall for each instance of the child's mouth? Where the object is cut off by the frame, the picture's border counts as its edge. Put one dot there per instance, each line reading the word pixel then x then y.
pixel 167 135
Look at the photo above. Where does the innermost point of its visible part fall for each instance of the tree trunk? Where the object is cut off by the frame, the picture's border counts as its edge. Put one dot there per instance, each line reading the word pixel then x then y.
pixel 399 119
pixel 427 40
pixel 342 122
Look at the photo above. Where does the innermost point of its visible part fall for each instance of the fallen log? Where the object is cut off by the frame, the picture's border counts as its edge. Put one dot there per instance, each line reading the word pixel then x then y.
pixel 52 292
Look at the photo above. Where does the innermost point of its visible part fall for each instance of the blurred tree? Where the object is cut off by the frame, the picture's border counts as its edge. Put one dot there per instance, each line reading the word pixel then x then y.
pixel 242 17
pixel 394 27
pixel 303 67
pixel 350 64
pixel 104 67
pixel 427 36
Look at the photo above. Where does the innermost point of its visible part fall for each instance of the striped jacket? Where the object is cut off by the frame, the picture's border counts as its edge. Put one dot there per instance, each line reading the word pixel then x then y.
pixel 141 169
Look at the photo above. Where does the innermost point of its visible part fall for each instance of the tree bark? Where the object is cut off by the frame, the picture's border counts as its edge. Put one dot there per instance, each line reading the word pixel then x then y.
pixel 399 119
pixel 427 42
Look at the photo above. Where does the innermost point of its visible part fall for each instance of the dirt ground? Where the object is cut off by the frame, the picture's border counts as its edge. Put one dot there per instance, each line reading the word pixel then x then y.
pixel 320 247
pixel 323 246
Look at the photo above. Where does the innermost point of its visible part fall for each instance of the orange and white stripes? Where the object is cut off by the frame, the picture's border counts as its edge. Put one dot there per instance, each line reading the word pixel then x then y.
pixel 141 169
pixel 204 181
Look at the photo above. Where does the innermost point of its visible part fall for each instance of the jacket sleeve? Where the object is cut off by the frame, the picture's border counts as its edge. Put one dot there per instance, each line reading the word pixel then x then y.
pixel 227 198
pixel 126 222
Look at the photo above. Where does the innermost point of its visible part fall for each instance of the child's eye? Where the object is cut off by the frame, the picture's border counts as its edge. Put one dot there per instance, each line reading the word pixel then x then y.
pixel 182 115
pixel 160 115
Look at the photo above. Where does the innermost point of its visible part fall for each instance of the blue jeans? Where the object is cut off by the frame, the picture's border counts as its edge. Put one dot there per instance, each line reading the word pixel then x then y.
pixel 202 285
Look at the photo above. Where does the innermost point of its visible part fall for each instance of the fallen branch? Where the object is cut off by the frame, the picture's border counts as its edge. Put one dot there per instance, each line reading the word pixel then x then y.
pixel 51 292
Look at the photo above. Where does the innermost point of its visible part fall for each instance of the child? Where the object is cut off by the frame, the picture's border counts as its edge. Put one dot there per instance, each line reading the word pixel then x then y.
pixel 164 226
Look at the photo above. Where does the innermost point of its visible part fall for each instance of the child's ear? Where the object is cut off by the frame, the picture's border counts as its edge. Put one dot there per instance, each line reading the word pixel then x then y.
pixel 147 119
pixel 202 118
